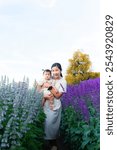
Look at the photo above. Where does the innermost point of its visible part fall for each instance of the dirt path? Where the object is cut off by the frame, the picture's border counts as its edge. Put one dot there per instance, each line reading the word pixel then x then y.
pixel 55 145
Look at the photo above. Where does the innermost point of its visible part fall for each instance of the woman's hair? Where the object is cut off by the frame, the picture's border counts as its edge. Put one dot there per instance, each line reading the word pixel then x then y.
pixel 46 70
pixel 58 66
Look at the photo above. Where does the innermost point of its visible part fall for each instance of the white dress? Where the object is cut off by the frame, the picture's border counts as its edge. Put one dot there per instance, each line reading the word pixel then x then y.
pixel 45 90
pixel 53 117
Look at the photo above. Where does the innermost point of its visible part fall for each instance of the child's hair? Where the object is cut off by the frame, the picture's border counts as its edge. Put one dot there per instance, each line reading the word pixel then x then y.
pixel 47 70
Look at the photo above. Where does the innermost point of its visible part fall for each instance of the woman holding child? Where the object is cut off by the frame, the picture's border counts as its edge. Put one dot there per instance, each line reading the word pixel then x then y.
pixel 54 87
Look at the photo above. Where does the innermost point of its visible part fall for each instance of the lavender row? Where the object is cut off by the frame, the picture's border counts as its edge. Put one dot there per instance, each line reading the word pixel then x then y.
pixel 19 106
pixel 83 97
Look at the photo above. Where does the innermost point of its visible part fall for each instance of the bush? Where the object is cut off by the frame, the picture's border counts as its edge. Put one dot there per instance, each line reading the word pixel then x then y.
pixel 79 134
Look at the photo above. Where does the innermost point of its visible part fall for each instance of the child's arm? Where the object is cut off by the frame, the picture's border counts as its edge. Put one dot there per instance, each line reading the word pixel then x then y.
pixel 43 102
pixel 46 85
pixel 39 86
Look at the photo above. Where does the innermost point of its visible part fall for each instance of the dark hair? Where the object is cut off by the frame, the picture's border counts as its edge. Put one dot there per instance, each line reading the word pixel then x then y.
pixel 59 66
pixel 46 70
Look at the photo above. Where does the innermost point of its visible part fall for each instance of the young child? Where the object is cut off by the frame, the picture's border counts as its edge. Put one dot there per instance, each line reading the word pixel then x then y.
pixel 41 88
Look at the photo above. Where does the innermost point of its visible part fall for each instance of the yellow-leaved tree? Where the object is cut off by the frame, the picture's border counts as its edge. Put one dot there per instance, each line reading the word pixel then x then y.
pixel 79 68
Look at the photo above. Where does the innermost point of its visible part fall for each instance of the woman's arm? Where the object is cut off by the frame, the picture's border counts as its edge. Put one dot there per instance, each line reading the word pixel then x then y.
pixel 53 90
pixel 56 93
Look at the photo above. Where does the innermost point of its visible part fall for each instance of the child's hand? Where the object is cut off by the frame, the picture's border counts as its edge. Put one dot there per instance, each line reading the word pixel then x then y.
pixel 38 87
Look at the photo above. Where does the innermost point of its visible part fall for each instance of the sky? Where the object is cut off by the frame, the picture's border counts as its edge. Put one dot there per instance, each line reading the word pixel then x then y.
pixel 34 34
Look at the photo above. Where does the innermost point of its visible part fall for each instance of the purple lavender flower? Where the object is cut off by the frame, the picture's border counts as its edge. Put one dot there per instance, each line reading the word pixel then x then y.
pixel 82 95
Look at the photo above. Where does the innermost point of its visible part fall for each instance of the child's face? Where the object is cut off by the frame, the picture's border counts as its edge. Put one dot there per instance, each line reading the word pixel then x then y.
pixel 47 75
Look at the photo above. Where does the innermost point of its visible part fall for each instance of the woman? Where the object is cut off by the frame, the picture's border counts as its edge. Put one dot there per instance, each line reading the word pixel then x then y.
pixel 53 117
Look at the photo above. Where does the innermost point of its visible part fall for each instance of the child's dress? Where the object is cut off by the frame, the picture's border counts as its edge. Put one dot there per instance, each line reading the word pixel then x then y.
pixel 45 90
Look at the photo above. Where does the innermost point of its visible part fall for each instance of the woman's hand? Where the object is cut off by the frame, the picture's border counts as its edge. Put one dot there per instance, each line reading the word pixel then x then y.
pixel 49 97
pixel 56 93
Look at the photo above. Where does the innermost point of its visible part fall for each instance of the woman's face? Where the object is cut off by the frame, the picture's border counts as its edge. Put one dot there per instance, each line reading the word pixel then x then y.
pixel 56 72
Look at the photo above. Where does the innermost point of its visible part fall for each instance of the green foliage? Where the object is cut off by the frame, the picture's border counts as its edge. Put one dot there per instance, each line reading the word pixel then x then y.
pixel 79 134
pixel 33 139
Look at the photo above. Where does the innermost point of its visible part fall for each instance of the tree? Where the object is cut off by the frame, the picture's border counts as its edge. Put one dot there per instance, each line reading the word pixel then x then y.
pixel 79 68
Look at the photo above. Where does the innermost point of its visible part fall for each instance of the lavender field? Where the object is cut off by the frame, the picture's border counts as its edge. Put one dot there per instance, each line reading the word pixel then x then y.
pixel 22 118
pixel 83 95
pixel 80 125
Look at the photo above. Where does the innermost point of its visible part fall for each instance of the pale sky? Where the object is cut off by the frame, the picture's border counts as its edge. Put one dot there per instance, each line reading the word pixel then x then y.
pixel 36 33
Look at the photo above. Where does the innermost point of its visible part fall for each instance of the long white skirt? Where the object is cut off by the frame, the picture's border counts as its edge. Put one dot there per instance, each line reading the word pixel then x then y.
pixel 52 122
